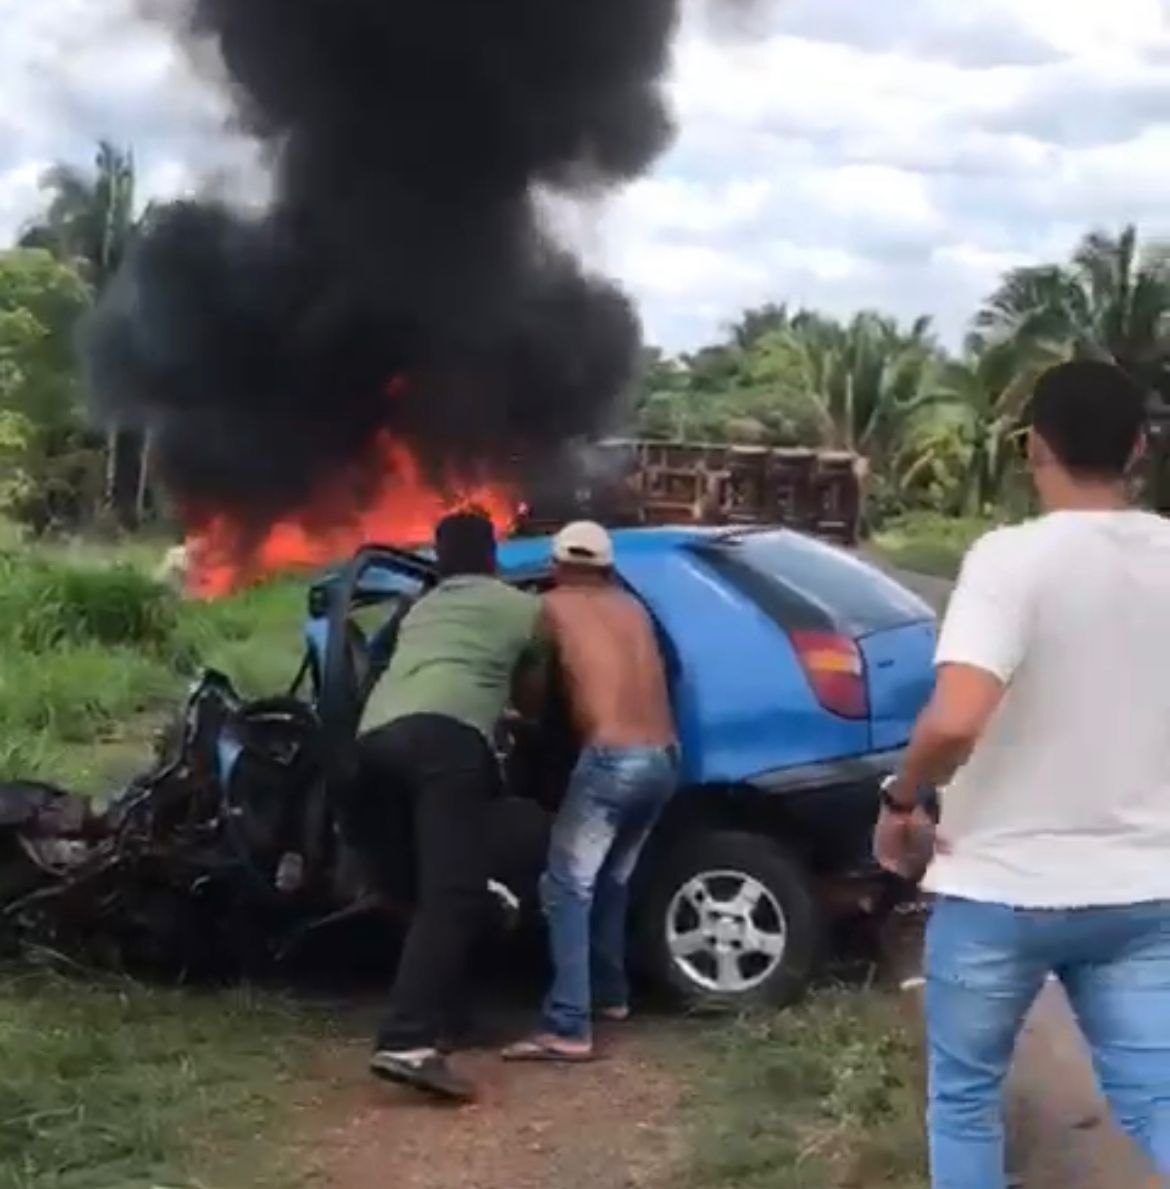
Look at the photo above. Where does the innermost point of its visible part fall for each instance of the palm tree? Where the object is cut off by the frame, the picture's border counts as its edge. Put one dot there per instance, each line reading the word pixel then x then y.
pixel 1111 301
pixel 754 324
pixel 90 218
pixel 985 395
pixel 869 377
pixel 90 222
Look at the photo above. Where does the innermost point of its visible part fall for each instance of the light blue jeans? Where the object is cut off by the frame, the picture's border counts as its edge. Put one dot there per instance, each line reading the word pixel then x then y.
pixel 614 799
pixel 985 966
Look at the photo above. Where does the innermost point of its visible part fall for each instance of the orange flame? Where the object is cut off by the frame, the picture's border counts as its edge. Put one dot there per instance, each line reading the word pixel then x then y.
pixel 404 511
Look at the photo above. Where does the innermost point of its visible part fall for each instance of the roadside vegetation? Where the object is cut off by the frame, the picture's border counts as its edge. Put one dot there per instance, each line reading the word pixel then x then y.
pixel 95 654
pixel 112 1085
pixel 927 543
pixel 828 1096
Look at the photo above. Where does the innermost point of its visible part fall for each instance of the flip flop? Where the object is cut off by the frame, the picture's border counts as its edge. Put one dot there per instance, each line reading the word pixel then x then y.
pixel 545 1050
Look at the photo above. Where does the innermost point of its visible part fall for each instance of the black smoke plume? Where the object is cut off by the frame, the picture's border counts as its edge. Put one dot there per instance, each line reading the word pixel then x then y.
pixel 402 278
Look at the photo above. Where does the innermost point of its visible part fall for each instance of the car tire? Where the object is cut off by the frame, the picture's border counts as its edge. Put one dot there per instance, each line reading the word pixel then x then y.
pixel 773 947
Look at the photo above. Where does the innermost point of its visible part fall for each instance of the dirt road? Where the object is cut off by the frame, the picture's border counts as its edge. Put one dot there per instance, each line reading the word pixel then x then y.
pixel 610 1125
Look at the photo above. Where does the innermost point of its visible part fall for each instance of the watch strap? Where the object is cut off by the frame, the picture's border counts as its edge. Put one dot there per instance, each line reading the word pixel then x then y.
pixel 890 804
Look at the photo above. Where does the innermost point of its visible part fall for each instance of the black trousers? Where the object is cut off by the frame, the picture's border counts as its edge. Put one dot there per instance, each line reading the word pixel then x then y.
pixel 439 777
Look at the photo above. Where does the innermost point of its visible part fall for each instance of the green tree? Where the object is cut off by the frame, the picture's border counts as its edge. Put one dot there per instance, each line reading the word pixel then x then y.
pixel 90 217
pixel 91 222
pixel 977 406
pixel 41 300
pixel 1111 300
pixel 16 434
pixel 869 376
pixel 754 324
pixel 48 462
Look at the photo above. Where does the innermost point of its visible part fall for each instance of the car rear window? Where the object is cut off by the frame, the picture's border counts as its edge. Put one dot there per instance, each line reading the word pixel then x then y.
pixel 803 583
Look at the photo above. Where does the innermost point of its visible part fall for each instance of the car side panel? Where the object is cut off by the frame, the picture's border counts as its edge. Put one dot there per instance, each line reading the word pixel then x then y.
pixel 899 665
pixel 742 702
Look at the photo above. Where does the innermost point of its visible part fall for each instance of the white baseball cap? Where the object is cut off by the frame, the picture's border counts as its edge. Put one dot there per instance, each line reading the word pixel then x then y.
pixel 583 543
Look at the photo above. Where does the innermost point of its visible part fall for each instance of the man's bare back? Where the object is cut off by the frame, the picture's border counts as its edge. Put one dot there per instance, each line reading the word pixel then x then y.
pixel 612 665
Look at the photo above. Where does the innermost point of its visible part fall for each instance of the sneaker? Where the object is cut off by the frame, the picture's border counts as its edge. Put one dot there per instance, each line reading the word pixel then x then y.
pixel 618 1014
pixel 424 1070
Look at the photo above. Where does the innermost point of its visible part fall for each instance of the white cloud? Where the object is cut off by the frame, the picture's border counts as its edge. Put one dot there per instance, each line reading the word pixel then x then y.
pixel 76 71
pixel 921 147
pixel 846 153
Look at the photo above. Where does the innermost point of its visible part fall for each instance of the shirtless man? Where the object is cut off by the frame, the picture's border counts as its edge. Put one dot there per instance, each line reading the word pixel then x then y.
pixel 627 772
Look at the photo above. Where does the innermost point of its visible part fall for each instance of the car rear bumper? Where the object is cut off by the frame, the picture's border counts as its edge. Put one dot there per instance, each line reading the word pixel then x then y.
pixel 852 771
pixel 832 807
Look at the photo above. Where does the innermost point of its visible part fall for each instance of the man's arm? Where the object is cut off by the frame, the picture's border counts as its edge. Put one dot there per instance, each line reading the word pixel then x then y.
pixel 965 697
pixel 532 674
pixel 983 641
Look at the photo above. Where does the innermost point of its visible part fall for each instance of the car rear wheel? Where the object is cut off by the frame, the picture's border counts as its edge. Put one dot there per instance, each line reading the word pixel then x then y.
pixel 731 922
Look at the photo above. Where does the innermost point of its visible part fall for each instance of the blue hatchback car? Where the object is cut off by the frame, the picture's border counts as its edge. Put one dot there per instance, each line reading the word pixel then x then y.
pixel 796 673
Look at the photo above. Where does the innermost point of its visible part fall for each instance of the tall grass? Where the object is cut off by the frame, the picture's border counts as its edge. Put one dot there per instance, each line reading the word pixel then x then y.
pixel 90 649
pixel 45 604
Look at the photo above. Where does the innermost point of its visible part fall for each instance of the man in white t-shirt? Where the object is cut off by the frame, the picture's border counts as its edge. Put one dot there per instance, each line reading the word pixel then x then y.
pixel 1049 732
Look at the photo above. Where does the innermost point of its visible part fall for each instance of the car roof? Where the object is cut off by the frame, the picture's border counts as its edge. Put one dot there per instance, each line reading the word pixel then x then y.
pixel 522 555
pixel 530 558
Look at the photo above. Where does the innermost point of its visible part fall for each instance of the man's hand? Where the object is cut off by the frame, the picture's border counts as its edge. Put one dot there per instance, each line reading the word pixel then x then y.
pixel 904 843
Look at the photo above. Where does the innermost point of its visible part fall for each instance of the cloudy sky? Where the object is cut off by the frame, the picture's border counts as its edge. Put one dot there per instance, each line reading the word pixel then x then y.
pixel 841 153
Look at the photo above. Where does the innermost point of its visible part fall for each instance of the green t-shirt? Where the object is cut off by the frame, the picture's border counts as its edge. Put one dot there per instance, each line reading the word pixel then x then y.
pixel 458 651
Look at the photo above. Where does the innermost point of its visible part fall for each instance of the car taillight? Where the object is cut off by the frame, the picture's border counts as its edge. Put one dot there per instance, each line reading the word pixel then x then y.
pixel 835 670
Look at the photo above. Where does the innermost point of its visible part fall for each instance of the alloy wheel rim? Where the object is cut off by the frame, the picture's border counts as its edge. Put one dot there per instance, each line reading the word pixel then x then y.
pixel 726 931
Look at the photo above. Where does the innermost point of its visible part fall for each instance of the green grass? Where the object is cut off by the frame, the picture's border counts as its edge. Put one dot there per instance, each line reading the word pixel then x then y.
pixel 929 543
pixel 827 1096
pixel 110 1085
pixel 96 653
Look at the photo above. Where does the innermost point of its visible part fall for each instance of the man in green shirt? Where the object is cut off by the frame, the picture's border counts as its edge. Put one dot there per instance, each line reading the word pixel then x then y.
pixel 429 726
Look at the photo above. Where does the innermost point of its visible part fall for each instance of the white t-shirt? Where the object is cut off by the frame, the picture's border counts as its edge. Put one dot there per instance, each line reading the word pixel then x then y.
pixel 1065 800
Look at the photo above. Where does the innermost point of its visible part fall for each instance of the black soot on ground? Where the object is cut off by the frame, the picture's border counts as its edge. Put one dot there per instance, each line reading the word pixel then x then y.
pixel 402 278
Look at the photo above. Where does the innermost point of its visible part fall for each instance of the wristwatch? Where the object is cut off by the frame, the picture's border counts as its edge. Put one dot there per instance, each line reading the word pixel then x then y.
pixel 889 803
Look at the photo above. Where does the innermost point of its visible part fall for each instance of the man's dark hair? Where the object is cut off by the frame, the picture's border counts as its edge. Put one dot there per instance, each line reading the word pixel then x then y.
pixel 1091 415
pixel 465 543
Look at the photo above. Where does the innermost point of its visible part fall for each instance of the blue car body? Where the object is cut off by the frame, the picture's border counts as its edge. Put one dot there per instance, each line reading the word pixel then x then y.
pixel 725 602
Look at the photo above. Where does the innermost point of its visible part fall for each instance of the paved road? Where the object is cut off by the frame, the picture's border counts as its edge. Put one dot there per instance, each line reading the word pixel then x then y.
pixel 934 591
pixel 1061 1136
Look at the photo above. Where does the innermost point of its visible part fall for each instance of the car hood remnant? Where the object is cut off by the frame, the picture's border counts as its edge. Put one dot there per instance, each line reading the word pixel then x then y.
pixel 228 856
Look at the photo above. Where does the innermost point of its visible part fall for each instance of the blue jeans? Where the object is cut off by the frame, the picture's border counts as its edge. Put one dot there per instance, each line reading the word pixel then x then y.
pixel 614 799
pixel 985 966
